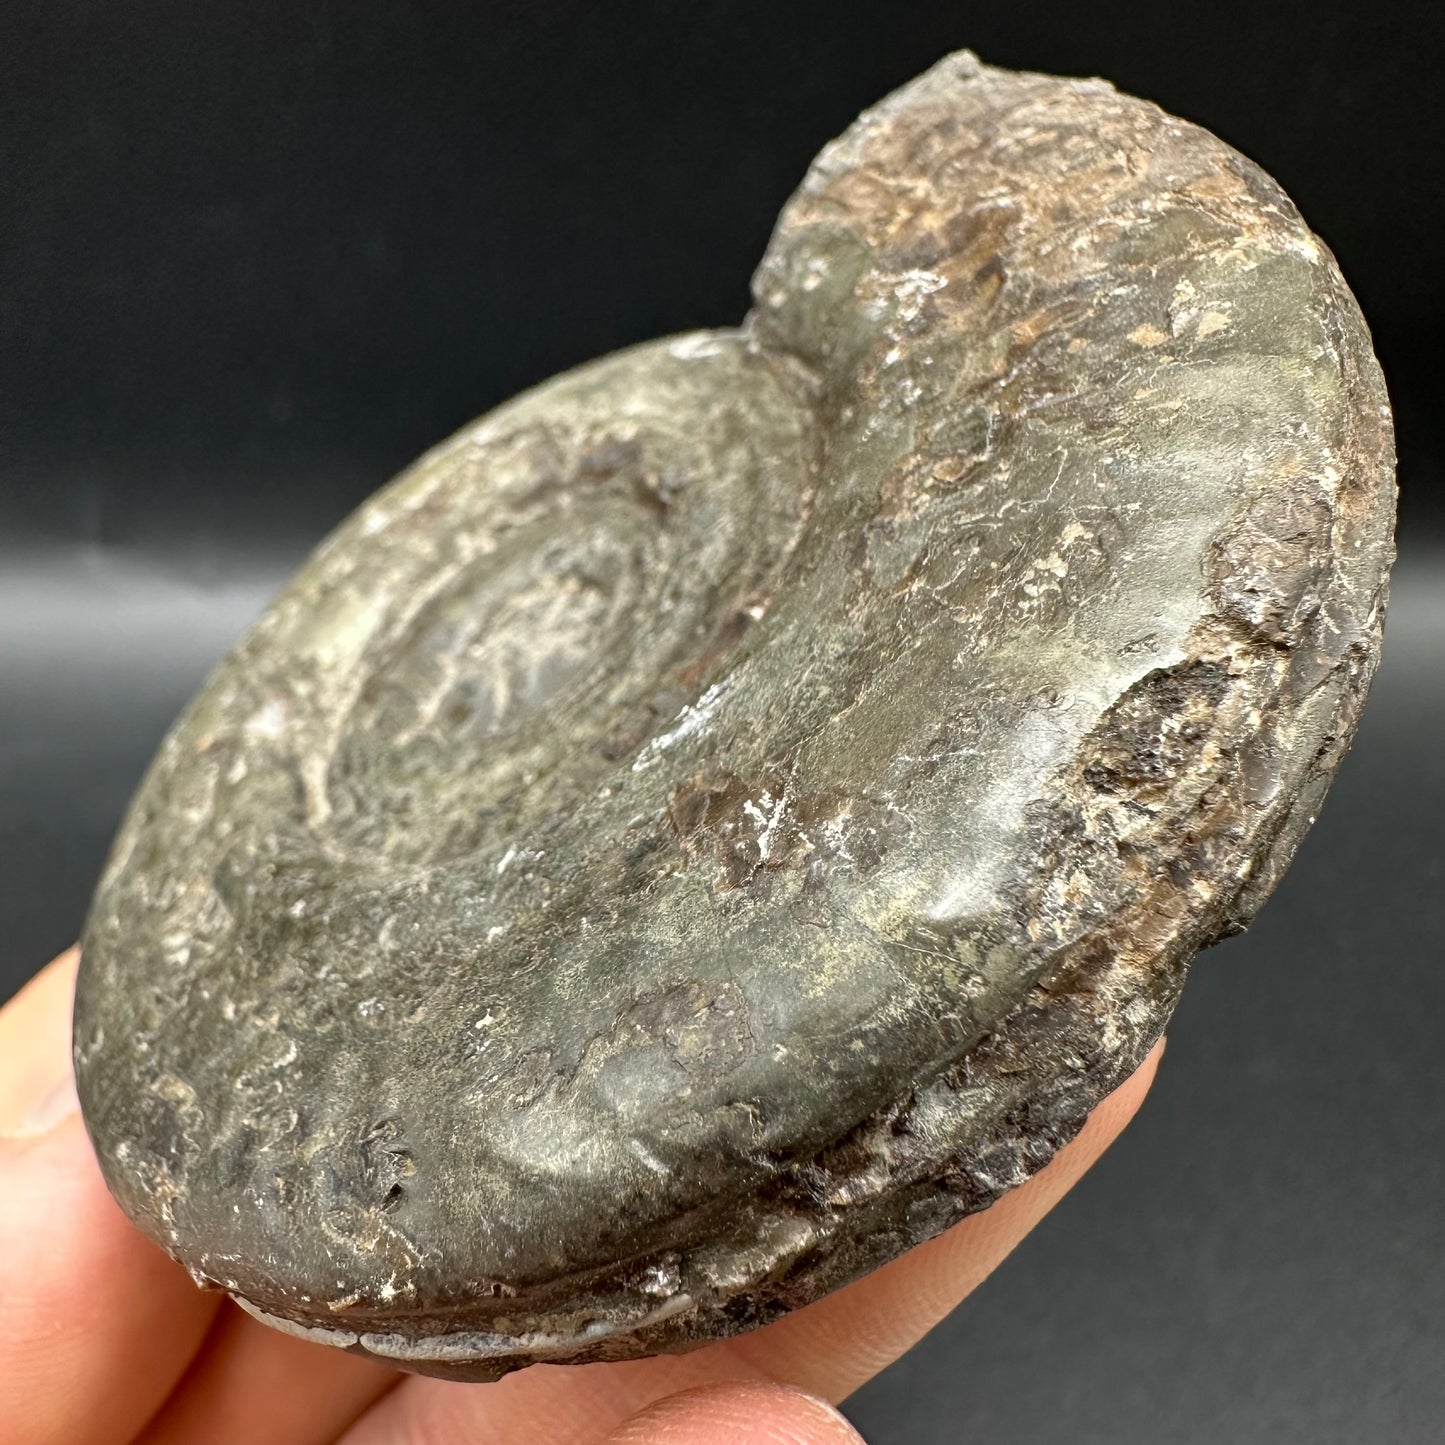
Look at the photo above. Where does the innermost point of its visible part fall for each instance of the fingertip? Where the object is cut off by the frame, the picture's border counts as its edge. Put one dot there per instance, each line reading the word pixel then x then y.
pixel 739 1414
pixel 837 1343
pixel 1114 1111
pixel 35 1043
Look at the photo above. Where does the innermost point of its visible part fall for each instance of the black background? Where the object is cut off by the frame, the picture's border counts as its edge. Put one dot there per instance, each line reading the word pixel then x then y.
pixel 254 257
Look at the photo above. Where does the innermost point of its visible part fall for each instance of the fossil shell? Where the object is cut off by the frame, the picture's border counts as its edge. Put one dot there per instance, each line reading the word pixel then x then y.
pixel 733 810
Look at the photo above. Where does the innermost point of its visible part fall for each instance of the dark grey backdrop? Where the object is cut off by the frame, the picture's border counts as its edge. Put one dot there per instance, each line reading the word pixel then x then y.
pixel 253 257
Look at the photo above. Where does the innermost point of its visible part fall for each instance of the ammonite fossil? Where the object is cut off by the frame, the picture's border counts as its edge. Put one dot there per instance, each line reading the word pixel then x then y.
pixel 733 810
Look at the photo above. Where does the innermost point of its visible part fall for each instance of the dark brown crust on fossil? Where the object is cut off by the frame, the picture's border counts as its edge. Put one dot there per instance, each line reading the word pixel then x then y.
pixel 597 912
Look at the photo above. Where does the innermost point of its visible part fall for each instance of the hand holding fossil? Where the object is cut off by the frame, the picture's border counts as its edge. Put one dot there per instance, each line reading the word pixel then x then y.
pixel 105 1341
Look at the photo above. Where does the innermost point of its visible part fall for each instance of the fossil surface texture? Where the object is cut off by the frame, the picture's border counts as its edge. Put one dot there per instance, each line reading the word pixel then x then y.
pixel 733 810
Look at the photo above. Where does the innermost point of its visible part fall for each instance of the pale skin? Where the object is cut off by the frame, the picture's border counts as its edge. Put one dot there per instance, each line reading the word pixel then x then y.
pixel 104 1341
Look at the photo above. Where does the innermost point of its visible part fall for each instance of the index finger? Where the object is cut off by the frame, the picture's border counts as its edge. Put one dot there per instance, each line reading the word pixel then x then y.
pixel 828 1349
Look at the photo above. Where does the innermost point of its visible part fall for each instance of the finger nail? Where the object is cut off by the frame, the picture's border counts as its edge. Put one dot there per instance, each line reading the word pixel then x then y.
pixel 49 1106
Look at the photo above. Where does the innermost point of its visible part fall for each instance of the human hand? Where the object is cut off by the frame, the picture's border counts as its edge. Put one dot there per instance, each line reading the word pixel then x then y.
pixel 105 1341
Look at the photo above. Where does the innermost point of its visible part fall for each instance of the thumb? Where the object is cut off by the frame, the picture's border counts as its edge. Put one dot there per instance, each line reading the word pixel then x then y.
pixel 737 1414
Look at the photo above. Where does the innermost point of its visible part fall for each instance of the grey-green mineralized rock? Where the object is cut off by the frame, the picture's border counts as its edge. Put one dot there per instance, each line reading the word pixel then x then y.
pixel 734 810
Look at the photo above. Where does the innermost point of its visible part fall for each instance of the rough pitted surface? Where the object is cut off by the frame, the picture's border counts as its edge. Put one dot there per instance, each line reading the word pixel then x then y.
pixel 733 810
